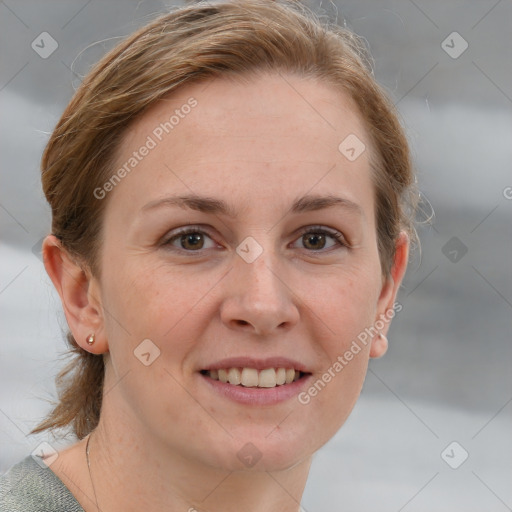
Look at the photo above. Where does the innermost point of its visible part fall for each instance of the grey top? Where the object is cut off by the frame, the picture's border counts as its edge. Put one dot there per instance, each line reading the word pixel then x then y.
pixel 29 487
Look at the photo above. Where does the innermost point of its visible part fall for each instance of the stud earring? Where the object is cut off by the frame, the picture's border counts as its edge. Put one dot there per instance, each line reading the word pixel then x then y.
pixel 90 339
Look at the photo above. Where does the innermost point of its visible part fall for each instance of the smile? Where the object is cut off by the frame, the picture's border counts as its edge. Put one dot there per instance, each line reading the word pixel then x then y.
pixel 253 378
pixel 254 381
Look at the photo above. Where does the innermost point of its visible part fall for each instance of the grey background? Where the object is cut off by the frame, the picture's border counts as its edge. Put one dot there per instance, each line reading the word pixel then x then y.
pixel 447 374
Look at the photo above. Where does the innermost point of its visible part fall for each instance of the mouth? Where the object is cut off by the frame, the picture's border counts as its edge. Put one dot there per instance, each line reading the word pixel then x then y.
pixel 253 378
pixel 256 382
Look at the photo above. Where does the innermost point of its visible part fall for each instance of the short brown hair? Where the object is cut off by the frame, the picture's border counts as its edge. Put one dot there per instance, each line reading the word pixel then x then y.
pixel 188 45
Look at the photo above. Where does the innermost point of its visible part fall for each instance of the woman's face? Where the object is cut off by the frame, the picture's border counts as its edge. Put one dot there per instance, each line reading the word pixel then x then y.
pixel 247 168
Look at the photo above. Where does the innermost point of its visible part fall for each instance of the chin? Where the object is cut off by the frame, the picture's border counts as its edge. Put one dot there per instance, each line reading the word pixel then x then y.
pixel 263 450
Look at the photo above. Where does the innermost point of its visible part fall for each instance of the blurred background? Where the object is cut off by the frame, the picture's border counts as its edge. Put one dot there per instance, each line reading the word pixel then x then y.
pixel 432 429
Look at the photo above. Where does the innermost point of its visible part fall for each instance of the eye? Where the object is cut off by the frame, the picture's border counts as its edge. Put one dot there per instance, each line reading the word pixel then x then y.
pixel 315 238
pixel 189 239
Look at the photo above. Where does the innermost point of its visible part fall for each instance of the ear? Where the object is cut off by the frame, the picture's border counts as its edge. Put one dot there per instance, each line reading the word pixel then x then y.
pixel 388 294
pixel 79 293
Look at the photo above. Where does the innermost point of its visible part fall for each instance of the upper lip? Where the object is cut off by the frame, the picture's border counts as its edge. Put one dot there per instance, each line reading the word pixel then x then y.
pixel 258 364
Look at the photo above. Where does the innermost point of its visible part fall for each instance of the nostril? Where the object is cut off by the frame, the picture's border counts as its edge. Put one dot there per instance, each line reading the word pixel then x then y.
pixel 242 322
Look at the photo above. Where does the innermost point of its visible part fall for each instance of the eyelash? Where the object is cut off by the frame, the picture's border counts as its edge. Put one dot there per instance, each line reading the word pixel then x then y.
pixel 335 235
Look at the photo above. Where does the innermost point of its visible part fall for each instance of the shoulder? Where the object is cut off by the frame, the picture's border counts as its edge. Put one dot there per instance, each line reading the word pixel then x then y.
pixel 29 487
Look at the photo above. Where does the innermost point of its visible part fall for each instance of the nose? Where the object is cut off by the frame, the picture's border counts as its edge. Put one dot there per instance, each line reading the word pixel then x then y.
pixel 258 299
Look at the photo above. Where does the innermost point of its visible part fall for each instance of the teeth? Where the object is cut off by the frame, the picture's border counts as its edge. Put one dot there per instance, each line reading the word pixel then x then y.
pixel 267 378
pixel 251 378
pixel 234 376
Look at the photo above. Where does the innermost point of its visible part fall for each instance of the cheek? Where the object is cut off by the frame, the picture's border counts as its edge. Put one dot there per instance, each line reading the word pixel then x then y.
pixel 144 300
pixel 344 312
pixel 345 303
pixel 139 294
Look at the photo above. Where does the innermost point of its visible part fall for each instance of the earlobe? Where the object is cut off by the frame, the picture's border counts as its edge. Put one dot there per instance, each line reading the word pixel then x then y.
pixel 379 346
pixel 73 281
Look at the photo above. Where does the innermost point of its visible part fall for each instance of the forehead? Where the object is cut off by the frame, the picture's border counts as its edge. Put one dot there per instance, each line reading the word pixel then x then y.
pixel 261 138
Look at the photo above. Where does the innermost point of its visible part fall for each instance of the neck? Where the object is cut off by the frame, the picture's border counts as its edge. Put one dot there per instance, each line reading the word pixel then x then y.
pixel 159 478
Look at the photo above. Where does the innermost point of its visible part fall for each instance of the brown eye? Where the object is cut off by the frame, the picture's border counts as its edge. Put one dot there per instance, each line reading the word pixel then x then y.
pixel 190 240
pixel 314 241
pixel 317 238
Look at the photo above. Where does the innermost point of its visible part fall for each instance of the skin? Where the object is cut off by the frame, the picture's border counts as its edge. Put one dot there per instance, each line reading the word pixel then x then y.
pixel 163 434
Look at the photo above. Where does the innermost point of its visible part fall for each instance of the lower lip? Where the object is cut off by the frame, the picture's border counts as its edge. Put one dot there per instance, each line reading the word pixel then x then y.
pixel 257 396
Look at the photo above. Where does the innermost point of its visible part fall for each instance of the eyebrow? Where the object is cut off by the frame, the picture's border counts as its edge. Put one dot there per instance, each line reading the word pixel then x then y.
pixel 307 203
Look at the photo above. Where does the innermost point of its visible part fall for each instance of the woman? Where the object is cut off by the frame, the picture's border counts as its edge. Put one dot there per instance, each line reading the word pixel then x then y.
pixel 232 199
